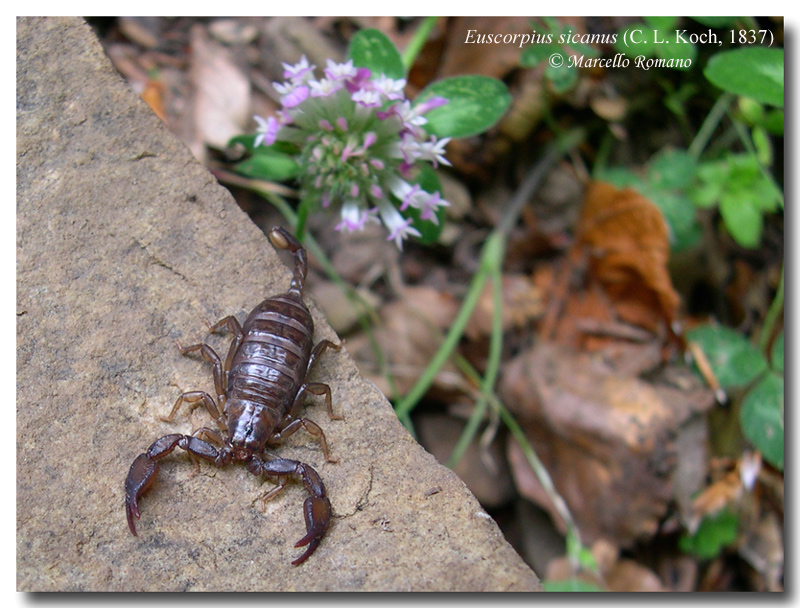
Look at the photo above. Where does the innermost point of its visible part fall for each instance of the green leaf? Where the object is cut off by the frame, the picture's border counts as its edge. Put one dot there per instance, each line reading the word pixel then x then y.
pixel 755 72
pixel 752 112
pixel 776 354
pixel 269 165
pixel 661 23
pixel 570 585
pixel 248 140
pixel 743 193
pixel 685 52
pixel 712 177
pixel 430 231
pixel 534 54
pixel 762 418
pixel 563 77
pixel 743 220
pixel 718 22
pixel 645 41
pixel 679 212
pixel 712 536
pixel 733 359
pixel 476 103
pixel 245 140
pixel 773 122
pixel 371 49
pixel 620 177
pixel 763 146
pixel 671 168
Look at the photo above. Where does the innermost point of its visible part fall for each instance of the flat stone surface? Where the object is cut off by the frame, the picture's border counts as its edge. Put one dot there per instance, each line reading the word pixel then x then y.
pixel 125 244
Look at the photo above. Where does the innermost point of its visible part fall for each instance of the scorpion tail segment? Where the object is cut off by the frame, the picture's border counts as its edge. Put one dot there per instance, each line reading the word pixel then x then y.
pixel 141 476
pixel 317 511
pixel 282 239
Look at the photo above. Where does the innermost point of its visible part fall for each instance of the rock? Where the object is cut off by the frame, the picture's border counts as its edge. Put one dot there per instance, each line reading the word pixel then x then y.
pixel 124 244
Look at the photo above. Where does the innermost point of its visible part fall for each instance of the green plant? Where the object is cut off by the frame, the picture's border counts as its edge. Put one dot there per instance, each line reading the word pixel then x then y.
pixel 737 185
pixel 352 141
pixel 712 535
pixel 655 38
pixel 737 364
pixel 555 40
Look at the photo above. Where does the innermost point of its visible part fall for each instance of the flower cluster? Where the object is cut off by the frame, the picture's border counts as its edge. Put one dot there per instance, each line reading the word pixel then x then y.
pixel 358 139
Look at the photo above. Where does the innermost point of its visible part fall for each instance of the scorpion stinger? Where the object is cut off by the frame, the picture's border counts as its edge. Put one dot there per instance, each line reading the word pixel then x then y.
pixel 260 387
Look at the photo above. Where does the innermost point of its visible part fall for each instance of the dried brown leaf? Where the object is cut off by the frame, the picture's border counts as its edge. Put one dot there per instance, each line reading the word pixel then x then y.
pixel 609 440
pixel 222 90
pixel 627 240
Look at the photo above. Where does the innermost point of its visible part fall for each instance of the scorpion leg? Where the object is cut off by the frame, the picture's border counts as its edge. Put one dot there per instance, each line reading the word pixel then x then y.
pixel 144 469
pixel 209 355
pixel 293 425
pixel 192 398
pixel 316 508
pixel 230 323
pixel 319 349
pixel 316 388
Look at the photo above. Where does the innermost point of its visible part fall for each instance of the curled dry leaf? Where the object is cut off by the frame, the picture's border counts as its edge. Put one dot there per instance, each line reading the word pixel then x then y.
pixel 627 242
pixel 608 440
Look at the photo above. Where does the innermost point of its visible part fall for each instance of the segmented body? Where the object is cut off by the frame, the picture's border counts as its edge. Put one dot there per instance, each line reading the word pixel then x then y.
pixel 260 387
pixel 268 369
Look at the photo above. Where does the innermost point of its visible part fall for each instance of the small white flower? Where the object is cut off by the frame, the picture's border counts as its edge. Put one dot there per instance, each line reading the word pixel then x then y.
pixel 433 151
pixel 340 71
pixel 266 131
pixel 367 98
pixel 355 218
pixel 299 71
pixel 324 87
pixel 399 228
pixel 391 89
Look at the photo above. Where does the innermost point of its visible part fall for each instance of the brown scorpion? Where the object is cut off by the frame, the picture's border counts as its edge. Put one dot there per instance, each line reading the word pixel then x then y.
pixel 260 387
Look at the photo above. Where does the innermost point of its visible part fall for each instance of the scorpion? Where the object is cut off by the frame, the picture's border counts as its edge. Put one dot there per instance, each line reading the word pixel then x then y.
pixel 260 387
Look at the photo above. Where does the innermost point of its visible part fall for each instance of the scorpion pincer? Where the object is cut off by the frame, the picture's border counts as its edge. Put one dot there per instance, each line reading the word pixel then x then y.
pixel 260 387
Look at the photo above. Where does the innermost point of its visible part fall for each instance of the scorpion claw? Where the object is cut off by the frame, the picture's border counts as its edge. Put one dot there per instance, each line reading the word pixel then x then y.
pixel 317 511
pixel 141 476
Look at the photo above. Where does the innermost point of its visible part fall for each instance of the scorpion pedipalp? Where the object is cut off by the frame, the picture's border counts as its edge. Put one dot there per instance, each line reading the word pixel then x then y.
pixel 316 508
pixel 144 470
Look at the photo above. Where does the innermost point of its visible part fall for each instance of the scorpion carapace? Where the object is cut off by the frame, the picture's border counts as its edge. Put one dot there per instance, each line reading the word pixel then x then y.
pixel 260 386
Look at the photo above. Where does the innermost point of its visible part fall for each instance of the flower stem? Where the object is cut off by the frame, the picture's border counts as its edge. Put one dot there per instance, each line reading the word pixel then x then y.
pixel 490 263
pixel 775 309
pixel 709 124
pixel 492 369
pixel 492 247
pixel 418 41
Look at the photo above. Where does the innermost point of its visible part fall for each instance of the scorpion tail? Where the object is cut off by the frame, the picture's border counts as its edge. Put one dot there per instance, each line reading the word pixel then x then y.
pixel 282 239
pixel 317 511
